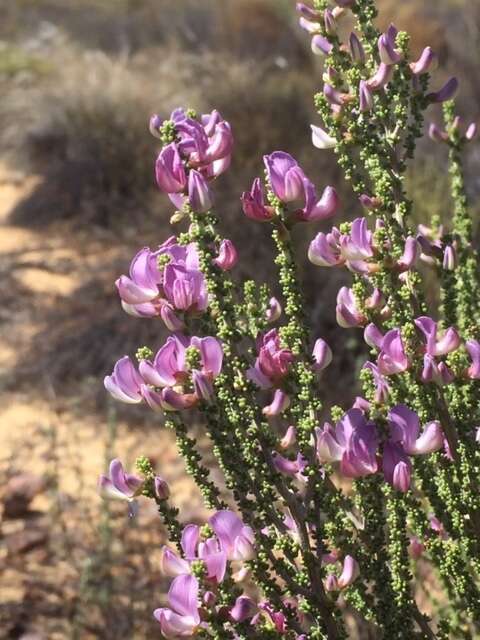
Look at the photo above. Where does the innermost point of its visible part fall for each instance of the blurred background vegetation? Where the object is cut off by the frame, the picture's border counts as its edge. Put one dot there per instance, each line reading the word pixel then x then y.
pixel 79 80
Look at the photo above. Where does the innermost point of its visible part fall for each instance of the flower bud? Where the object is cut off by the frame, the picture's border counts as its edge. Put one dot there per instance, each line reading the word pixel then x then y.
pixel 154 125
pixel 280 402
pixel 447 92
pixel 329 22
pixel 350 572
pixel 436 134
pixel 243 609
pixel 162 490
pixel 356 48
pixel 322 355
pixel 289 438
pixel 274 310
pixel 449 258
pixel 331 583
pixel 471 131
pixel 365 97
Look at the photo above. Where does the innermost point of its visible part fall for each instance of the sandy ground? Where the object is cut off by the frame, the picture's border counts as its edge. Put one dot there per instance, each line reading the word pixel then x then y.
pixel 68 564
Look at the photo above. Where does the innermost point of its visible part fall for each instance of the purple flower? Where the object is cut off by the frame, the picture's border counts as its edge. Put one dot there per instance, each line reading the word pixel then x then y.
pixel 392 357
pixel 169 366
pixel 289 438
pixel 347 313
pixel 206 144
pixel 435 346
pixel 209 551
pixel 329 21
pixel 436 134
pixel 285 176
pixel 181 618
pixel 350 572
pixel 280 403
pixel 320 45
pixel 151 290
pixel 243 609
pixel 253 203
pixel 292 468
pixel 450 260
pixel 120 485
pixel 473 348
pixel 405 429
pixel 125 382
pixel 322 354
pixel 169 371
pixel 162 490
pixel 353 442
pixel 357 246
pixel 365 96
pixel 236 539
pixel 184 288
pixel 273 361
pixel 321 139
pixel 386 47
pixel 331 582
pixel 315 210
pixel 396 466
pixel 428 61
pixel 227 256
pixel 354 249
pixel 307 12
pixel 382 77
pixel 170 171
pixel 471 131
pixel 447 92
pixel 335 98
pixel 277 617
pixel 142 283
pixel 405 440
pixel 382 388
pixel 410 254
pixel 356 48
pixel 324 250
pixel 436 372
pixel 199 196
pixel 274 310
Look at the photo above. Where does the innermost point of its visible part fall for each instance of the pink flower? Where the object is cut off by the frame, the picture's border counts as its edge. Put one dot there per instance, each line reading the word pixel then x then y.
pixel 209 551
pixel 120 485
pixel 181 618
pixel 236 539
pixel 273 361
pixel 253 203
pixel 227 256
pixel 392 357
pixel 125 382
pixel 434 345
pixel 350 572
pixel 170 171
pixel 353 442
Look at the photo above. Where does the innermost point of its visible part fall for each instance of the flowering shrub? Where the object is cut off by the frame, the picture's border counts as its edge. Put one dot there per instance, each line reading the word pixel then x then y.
pixel 320 520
